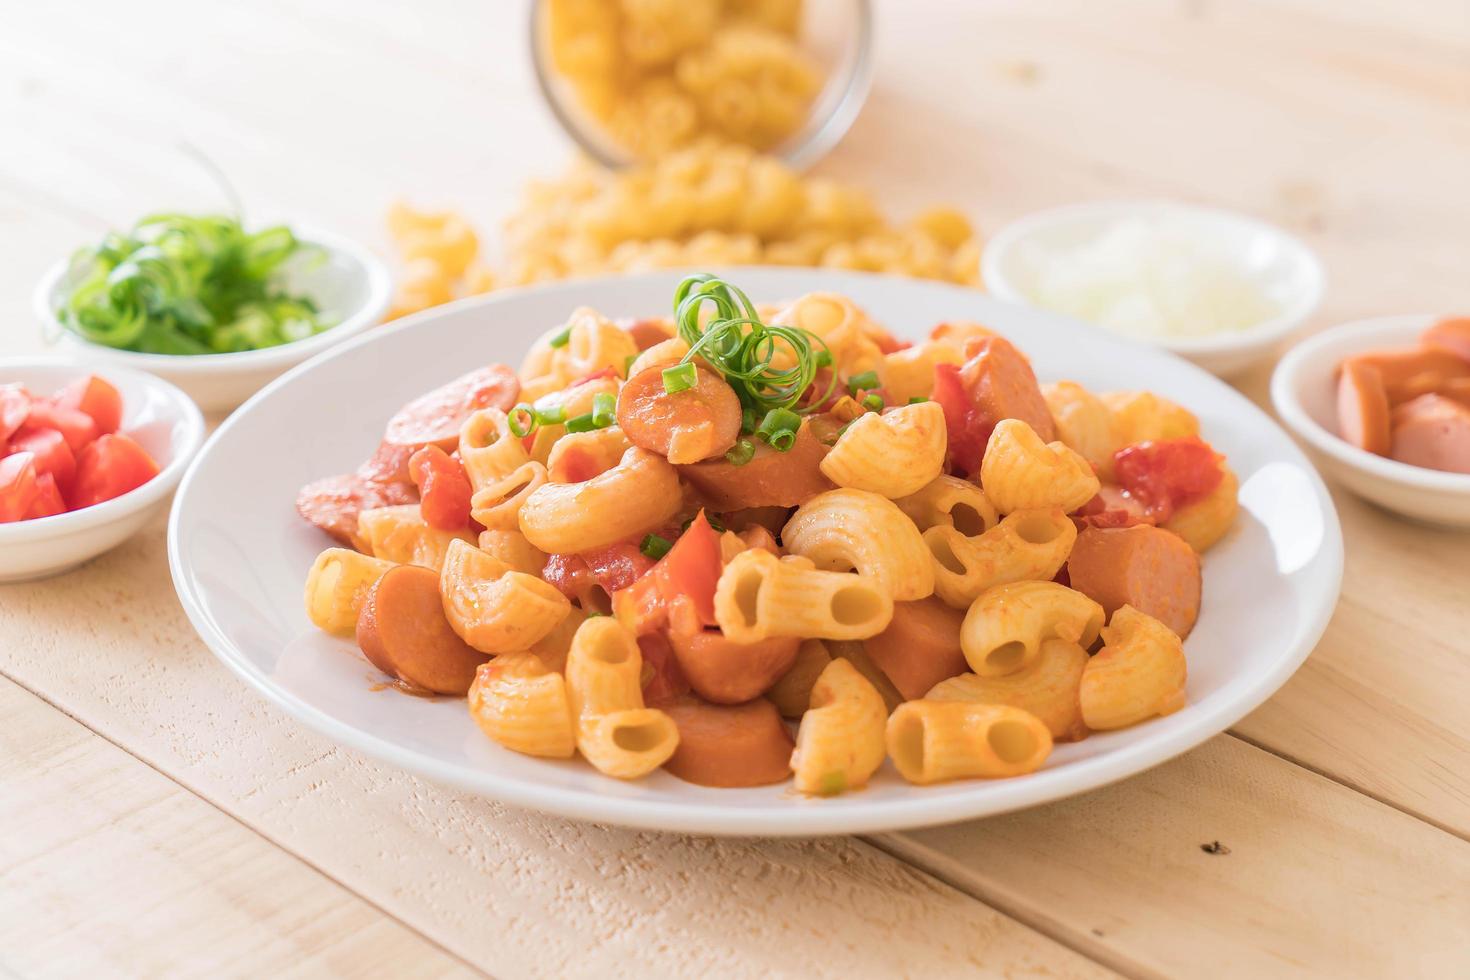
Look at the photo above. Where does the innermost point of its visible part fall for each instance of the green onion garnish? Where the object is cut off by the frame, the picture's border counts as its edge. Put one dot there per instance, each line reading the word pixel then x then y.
pixel 749 419
pixel 583 423
pixel 604 409
pixel 681 377
pixel 655 547
pixel 917 400
pixel 824 358
pixel 779 428
pixel 522 420
pixel 861 382
pixel 741 452
pixel 744 350
pixel 873 403
pixel 555 415
pixel 184 284
pixel 560 340
pixel 628 364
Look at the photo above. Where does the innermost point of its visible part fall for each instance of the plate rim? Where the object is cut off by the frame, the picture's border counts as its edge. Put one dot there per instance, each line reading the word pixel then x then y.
pixel 813 820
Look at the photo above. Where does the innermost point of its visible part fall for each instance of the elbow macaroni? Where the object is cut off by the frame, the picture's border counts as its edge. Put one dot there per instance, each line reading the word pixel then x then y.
pixel 522 705
pixel 1140 672
pixel 949 501
pixel 638 495
pixel 399 534
pixel 491 607
pixel 1084 424
pixel 760 596
pixel 1142 416
pixel 1004 629
pixel 1019 471
pixel 792 693
pixel 488 449
pixel 909 373
pixel 936 741
pixel 894 454
pixel 852 530
pixel 615 732
pixel 1047 688
pixel 1027 544
pixel 839 744
pixel 497 506
pixel 1205 521
pixel 337 586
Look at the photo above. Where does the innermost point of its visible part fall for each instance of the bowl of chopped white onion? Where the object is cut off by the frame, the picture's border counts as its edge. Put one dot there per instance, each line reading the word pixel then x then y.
pixel 1220 289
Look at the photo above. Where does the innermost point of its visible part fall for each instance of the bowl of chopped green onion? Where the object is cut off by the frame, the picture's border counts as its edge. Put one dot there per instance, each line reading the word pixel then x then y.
pixel 214 307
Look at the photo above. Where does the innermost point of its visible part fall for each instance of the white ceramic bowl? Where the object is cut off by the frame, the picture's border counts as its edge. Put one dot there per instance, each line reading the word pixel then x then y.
pixel 239 553
pixel 1285 269
pixel 352 287
pixel 1304 391
pixel 163 421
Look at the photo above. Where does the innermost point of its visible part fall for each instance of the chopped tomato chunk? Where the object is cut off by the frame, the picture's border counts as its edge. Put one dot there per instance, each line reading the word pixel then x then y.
pixel 17 486
pixel 53 455
pixel 968 430
pixel 569 574
pixel 49 501
pixel 690 569
pixel 1112 507
pixel 110 467
pixel 618 565
pixel 15 405
pixel 444 490
pixel 662 679
pixel 76 426
pixel 1167 474
pixel 96 398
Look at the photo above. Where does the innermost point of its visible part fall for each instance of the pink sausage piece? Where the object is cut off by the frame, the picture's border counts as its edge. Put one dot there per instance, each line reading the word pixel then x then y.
pixel 1434 432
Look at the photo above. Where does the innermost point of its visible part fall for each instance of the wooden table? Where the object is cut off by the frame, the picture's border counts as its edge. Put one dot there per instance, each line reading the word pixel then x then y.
pixel 158 817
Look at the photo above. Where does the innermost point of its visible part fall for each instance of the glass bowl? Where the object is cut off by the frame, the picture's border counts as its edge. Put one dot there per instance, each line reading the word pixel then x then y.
pixel 838 34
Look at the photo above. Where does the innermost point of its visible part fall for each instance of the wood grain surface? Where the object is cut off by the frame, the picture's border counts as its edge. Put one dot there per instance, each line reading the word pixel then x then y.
pixel 157 818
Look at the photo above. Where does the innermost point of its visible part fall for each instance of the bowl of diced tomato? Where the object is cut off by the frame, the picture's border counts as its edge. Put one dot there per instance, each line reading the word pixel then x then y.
pixel 86 459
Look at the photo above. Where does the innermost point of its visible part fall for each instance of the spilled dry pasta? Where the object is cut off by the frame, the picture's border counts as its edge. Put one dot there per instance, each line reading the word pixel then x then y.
pixel 749 544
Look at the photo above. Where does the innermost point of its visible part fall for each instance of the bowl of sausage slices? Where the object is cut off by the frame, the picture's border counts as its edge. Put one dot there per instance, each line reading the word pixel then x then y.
pixel 1385 404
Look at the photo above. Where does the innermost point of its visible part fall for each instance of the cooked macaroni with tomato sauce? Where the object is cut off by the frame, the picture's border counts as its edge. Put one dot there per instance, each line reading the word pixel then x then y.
pixel 747 544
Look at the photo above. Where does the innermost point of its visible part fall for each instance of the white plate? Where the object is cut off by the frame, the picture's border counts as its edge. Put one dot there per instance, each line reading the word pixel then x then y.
pixel 239 555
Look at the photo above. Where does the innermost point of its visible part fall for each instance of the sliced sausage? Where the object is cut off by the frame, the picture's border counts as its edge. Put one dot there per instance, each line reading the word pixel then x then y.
pixel 1434 432
pixel 920 647
pixel 725 672
pixel 686 426
pixel 402 631
pixel 1451 334
pixel 389 463
pixel 1362 407
pixel 1003 386
pixel 435 418
pixel 646 331
pixel 333 503
pixel 769 479
pixel 1409 373
pixel 729 745
pixel 1148 568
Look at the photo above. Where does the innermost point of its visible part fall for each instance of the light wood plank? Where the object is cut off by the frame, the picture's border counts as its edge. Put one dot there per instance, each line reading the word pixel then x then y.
pixel 578 899
pixel 109 868
pixel 1318 880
